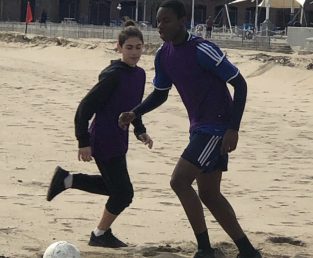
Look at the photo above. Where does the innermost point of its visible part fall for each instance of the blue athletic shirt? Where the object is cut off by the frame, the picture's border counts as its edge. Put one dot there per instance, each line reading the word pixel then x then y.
pixel 199 70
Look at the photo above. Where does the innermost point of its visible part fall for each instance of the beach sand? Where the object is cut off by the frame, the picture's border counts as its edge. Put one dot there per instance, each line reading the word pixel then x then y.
pixel 269 182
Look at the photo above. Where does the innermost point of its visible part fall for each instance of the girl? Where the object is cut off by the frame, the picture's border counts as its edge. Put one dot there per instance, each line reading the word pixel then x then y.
pixel 120 88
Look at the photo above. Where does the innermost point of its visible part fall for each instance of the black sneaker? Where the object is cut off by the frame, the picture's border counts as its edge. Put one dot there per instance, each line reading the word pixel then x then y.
pixel 205 253
pixel 256 255
pixel 57 183
pixel 106 240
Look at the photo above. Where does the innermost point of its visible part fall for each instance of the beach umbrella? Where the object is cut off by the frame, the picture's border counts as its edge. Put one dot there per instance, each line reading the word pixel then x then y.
pixel 282 3
pixel 275 3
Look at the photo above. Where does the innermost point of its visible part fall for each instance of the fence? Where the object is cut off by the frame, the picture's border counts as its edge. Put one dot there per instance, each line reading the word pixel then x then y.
pixel 75 31
pixel 222 36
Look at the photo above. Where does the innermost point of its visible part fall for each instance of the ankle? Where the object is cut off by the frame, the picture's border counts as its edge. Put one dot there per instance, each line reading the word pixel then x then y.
pixel 68 181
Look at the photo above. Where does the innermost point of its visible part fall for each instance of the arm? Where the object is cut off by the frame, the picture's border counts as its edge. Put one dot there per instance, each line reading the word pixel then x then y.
pixel 240 96
pixel 154 100
pixel 211 58
pixel 93 101
pixel 139 127
pixel 230 138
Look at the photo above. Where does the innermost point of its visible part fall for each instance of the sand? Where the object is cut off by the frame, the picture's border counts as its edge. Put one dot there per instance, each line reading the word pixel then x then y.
pixel 269 182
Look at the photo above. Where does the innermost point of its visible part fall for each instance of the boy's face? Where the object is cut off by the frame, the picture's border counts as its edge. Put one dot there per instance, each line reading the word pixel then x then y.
pixel 131 51
pixel 169 25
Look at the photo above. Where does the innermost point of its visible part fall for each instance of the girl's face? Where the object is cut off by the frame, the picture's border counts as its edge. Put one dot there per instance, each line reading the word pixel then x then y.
pixel 131 50
pixel 170 27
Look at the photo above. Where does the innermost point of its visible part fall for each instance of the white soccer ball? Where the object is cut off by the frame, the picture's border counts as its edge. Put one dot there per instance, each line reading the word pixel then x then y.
pixel 61 249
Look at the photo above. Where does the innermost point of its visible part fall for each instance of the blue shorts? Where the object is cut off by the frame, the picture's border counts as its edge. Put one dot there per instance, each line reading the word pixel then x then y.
pixel 203 151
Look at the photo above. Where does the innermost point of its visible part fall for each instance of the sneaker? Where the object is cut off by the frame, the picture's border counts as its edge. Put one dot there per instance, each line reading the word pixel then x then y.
pixel 106 240
pixel 256 255
pixel 57 183
pixel 205 253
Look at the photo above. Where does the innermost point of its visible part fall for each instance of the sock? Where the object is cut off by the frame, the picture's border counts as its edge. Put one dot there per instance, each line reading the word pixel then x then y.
pixel 203 241
pixel 68 181
pixel 245 247
pixel 98 232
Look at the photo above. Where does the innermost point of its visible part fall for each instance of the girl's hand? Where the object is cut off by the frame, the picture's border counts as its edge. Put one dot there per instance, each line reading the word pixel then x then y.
pixel 84 154
pixel 145 138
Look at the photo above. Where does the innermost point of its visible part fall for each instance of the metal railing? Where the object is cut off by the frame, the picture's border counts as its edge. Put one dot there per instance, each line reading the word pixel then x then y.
pixel 224 37
pixel 75 31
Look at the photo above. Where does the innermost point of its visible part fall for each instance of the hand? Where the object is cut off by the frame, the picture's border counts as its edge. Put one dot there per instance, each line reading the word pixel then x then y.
pixel 84 154
pixel 125 119
pixel 145 138
pixel 229 142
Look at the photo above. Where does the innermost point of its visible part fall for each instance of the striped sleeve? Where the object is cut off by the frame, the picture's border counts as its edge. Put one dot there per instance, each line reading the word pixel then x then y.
pixel 210 57
pixel 161 81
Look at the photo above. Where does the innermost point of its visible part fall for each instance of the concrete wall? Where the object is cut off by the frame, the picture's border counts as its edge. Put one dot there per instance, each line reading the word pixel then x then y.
pixel 297 36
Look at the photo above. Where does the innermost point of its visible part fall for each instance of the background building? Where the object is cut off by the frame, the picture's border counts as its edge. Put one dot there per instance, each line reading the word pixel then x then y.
pixel 106 12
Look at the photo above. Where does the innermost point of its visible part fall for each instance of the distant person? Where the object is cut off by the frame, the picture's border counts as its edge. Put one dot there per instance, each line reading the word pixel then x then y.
pixel 200 72
pixel 120 88
pixel 209 27
pixel 43 18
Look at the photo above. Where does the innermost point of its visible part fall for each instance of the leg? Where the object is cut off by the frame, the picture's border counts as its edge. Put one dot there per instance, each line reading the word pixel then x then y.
pixel 116 178
pixel 117 181
pixel 90 183
pixel 84 182
pixel 182 178
pixel 210 195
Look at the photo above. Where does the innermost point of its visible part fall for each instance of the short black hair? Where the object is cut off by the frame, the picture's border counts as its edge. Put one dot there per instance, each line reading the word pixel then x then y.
pixel 177 6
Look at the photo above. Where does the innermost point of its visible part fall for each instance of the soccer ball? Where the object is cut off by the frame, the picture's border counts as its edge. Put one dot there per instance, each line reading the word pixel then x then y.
pixel 61 249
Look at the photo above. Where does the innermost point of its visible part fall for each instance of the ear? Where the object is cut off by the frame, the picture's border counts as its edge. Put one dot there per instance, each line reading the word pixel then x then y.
pixel 119 48
pixel 183 21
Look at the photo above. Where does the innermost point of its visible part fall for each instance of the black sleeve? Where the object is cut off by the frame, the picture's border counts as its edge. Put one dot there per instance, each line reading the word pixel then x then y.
pixel 155 99
pixel 139 128
pixel 240 95
pixel 96 98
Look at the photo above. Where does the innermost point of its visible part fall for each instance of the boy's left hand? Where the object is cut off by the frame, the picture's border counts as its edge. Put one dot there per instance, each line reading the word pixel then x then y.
pixel 230 141
pixel 145 138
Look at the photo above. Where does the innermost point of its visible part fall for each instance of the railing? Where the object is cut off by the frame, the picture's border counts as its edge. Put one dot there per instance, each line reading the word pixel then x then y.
pixel 75 30
pixel 224 37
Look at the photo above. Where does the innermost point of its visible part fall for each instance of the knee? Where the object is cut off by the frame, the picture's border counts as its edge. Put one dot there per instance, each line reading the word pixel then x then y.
pixel 119 201
pixel 209 198
pixel 178 185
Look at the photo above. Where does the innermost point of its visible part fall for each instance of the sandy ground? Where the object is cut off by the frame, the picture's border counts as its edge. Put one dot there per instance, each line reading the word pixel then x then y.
pixel 269 182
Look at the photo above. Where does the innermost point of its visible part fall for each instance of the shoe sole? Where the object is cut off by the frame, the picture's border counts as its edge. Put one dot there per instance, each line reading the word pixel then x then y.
pixel 100 245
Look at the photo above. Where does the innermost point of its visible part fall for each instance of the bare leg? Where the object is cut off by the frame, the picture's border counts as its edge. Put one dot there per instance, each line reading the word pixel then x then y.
pixel 106 220
pixel 210 195
pixel 183 176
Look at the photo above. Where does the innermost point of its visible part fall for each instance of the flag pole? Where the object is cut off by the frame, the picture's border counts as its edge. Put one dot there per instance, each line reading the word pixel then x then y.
pixel 256 16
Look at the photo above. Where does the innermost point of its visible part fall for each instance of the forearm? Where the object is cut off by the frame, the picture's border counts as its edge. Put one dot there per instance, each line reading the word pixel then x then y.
pixel 139 128
pixel 154 100
pixel 240 95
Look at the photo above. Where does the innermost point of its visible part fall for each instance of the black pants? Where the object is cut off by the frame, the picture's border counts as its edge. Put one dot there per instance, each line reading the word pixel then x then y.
pixel 114 182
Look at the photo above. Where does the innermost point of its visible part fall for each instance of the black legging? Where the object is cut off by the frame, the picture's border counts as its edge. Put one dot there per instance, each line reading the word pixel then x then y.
pixel 114 182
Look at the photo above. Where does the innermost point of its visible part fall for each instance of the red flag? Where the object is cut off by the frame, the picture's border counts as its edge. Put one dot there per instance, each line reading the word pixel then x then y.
pixel 29 15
